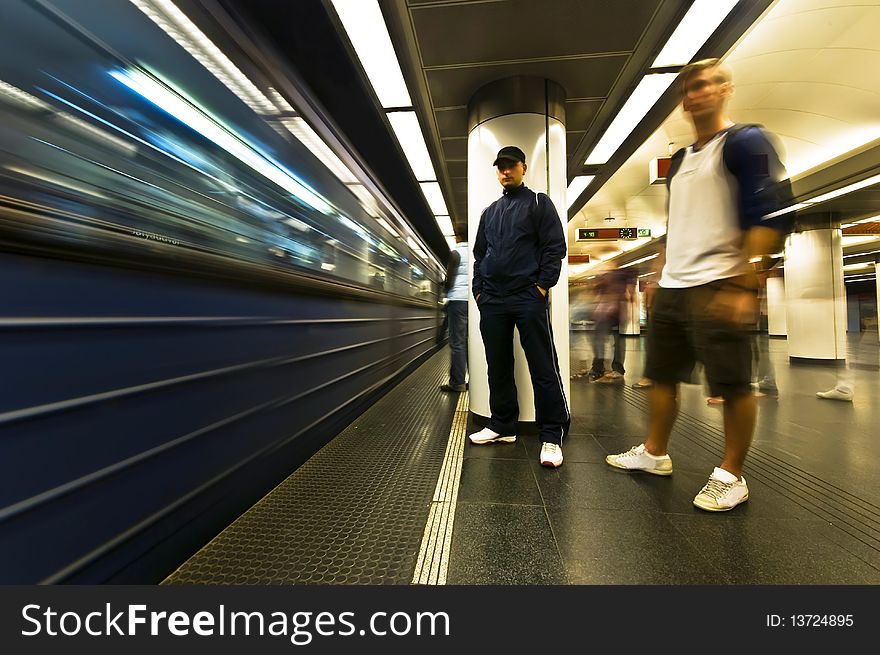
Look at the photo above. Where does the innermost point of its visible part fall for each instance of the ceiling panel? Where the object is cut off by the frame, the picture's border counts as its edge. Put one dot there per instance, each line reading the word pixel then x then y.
pixel 525 29
pixel 581 78
pixel 451 122
pixel 455 148
pixel 579 114
pixel 456 168
pixel 572 139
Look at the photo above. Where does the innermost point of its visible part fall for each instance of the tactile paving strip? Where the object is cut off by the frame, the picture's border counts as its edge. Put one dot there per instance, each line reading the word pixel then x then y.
pixel 355 512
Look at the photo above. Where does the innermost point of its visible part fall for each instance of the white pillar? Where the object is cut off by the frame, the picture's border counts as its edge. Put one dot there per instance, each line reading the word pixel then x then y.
pixel 630 311
pixel 815 298
pixel 529 113
pixel 776 325
pixel 877 288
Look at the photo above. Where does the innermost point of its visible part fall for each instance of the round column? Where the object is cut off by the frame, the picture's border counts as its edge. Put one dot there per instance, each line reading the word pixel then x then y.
pixel 877 289
pixel 776 324
pixel 527 112
pixel 630 312
pixel 815 298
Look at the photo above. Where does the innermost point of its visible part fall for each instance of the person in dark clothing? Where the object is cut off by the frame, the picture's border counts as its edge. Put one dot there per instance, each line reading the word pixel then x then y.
pixel 518 255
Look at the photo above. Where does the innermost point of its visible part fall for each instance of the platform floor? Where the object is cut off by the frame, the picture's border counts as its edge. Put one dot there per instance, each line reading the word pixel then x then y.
pixel 356 512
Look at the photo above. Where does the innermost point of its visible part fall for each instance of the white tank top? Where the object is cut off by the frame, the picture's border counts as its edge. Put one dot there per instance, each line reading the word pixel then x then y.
pixel 704 241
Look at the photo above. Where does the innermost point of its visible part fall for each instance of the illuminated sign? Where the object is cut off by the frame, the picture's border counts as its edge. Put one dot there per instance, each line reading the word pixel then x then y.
pixel 610 233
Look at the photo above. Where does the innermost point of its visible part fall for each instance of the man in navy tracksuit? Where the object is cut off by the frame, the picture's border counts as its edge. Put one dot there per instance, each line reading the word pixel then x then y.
pixel 517 258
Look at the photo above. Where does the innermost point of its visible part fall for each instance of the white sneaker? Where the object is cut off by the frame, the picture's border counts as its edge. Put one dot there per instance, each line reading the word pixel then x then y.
pixel 490 436
pixel 551 454
pixel 639 459
pixel 722 492
pixel 836 394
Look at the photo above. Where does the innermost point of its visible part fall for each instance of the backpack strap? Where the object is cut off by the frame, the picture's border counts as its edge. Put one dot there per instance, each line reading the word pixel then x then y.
pixel 674 165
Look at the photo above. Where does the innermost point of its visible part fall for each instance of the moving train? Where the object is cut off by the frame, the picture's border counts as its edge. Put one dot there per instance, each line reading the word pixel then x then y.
pixel 202 285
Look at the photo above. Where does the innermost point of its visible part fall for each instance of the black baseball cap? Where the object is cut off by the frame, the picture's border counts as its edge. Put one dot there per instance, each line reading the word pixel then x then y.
pixel 510 153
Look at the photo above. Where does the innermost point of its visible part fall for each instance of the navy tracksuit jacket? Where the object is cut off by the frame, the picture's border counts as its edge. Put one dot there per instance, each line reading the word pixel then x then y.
pixel 519 246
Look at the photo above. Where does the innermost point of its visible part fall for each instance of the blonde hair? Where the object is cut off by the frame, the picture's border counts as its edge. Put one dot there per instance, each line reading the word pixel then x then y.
pixel 722 74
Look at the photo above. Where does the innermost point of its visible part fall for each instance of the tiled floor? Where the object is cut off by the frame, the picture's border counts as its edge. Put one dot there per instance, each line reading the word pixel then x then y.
pixel 813 516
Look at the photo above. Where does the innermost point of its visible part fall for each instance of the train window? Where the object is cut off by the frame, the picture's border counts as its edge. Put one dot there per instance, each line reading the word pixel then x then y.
pixel 108 126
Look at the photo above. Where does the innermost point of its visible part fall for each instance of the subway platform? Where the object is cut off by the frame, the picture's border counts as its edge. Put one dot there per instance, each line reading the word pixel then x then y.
pixel 400 497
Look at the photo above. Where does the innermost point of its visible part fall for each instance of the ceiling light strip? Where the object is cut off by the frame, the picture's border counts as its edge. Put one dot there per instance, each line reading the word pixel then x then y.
pixel 698 24
pixel 639 261
pixel 366 29
pixel 434 196
pixel 175 24
pixel 630 115
pixel 409 134
pixel 576 188
pixel 196 119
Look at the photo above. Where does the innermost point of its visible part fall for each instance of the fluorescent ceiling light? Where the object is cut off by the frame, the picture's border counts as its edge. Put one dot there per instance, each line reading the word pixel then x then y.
pixel 368 202
pixel 416 247
pixel 103 136
pixel 848 241
pixel 366 29
pixel 849 188
pixel 310 139
pixel 576 188
pixel 647 274
pixel 388 227
pixel 434 196
pixel 445 224
pixel 280 101
pixel 786 210
pixel 9 92
pixel 180 28
pixel 55 179
pixel 196 119
pixel 406 128
pixel 698 24
pixel 861 254
pixel 855 267
pixel 633 111
pixel 639 261
pixel 842 191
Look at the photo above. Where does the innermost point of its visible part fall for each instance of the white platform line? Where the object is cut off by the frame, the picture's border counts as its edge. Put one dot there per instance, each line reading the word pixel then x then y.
pixel 433 559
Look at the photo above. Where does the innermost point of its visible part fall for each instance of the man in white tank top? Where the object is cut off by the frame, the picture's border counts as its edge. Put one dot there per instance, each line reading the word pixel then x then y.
pixel 719 194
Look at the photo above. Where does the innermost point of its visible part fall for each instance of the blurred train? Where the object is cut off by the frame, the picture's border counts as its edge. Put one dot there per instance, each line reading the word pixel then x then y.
pixel 199 291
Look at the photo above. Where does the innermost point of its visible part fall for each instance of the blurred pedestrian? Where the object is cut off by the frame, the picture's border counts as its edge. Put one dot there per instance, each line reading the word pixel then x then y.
pixel 457 290
pixel 720 191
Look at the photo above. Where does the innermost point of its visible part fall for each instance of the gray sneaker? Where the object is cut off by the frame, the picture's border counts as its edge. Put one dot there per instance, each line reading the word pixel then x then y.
pixel 639 459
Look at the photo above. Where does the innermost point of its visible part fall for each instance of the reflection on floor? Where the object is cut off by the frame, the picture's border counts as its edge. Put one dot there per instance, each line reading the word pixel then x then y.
pixel 813 516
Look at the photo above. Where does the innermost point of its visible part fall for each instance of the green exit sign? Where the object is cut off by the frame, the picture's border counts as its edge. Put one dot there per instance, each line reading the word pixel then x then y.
pixel 644 231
